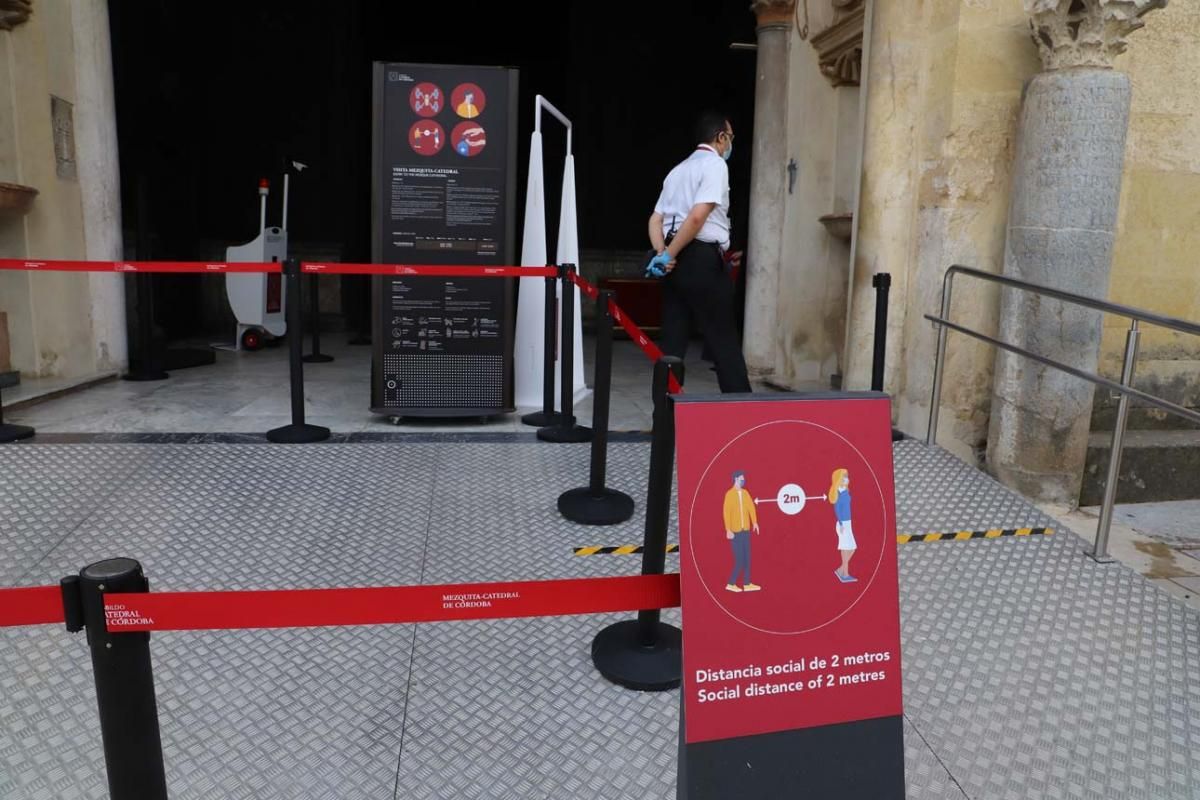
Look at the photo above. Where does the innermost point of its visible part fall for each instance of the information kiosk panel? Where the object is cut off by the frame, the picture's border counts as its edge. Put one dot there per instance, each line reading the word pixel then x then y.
pixel 444 183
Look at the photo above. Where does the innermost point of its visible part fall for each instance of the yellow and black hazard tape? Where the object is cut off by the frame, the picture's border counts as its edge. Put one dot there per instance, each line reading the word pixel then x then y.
pixel 959 536
pixel 903 538
pixel 623 550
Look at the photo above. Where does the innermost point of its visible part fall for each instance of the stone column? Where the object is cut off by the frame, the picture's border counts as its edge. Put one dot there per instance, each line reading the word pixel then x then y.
pixel 768 183
pixel 1061 226
pixel 99 178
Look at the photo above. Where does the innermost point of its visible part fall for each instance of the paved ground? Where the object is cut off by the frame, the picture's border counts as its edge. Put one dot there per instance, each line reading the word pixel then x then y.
pixel 1177 522
pixel 248 393
pixel 1159 541
pixel 1030 671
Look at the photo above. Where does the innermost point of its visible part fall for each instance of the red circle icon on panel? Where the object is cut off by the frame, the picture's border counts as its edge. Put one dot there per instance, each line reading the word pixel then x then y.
pixel 426 137
pixel 468 139
pixel 427 99
pixel 468 100
pixel 787 527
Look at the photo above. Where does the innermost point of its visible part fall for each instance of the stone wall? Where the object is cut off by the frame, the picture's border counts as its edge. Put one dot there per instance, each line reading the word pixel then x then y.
pixel 944 85
pixel 823 142
pixel 944 81
pixel 1157 256
pixel 61 324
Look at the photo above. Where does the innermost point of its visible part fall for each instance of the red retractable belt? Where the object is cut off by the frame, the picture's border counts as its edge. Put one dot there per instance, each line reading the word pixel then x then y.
pixel 37 605
pixel 295 608
pixel 433 271
pixel 138 266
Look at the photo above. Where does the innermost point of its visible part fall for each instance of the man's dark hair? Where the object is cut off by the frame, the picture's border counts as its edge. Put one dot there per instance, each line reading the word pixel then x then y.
pixel 709 126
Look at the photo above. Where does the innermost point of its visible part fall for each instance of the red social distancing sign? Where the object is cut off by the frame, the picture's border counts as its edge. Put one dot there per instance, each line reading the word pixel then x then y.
pixel 788 566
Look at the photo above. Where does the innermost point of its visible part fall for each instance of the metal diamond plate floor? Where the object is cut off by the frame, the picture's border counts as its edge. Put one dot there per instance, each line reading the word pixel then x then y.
pixel 1030 671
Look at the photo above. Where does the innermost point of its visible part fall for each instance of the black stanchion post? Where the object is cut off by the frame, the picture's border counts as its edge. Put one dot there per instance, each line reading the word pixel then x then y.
pixel 147 367
pixel 882 282
pixel 647 654
pixel 547 416
pixel 314 320
pixel 595 504
pixel 12 433
pixel 566 430
pixel 124 680
pixel 298 432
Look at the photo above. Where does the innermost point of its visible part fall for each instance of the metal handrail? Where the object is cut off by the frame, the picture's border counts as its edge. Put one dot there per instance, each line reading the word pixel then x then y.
pixel 1124 387
pixel 1174 323
pixel 1157 402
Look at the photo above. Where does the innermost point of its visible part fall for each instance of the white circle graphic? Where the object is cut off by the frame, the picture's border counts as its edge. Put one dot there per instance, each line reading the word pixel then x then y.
pixel 790 499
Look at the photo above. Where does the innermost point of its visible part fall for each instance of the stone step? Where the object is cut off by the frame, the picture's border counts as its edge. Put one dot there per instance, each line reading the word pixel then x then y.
pixel 1147 419
pixel 1157 465
pixel 1144 417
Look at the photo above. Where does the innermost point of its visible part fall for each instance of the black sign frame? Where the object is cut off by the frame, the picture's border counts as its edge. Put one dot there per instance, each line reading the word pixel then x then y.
pixel 443 347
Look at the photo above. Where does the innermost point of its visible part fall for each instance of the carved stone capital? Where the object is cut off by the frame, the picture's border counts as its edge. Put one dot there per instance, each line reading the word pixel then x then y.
pixel 773 12
pixel 1085 33
pixel 839 47
pixel 14 12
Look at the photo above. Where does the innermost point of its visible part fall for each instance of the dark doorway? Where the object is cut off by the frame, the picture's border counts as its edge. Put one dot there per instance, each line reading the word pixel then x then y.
pixel 212 98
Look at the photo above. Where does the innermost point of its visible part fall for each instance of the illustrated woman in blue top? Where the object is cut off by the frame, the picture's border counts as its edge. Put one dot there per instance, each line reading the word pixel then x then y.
pixel 839 498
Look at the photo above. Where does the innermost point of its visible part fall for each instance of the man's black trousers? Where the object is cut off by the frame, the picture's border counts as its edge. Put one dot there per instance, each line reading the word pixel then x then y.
pixel 699 290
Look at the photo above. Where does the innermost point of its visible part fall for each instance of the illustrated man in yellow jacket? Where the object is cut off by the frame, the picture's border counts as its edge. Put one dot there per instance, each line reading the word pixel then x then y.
pixel 467 108
pixel 740 518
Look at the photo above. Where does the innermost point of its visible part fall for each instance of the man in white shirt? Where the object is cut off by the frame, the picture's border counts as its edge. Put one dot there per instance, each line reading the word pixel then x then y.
pixel 693 212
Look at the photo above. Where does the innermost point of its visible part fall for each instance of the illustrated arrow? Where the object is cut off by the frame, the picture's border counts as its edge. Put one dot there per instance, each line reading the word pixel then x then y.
pixel 758 500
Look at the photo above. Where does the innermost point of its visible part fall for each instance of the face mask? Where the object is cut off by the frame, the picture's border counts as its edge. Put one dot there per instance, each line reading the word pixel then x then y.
pixel 728 152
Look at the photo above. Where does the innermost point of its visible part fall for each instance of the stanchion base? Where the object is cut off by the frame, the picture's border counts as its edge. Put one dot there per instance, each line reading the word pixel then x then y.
pixel 605 507
pixel 543 419
pixel 620 657
pixel 147 375
pixel 568 433
pixel 317 358
pixel 13 433
pixel 298 434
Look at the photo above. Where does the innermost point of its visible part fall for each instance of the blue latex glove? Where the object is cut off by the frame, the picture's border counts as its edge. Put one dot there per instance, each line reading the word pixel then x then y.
pixel 657 266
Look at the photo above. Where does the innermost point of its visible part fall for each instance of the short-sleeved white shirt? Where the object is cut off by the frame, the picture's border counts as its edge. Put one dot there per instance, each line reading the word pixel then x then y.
pixel 703 177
